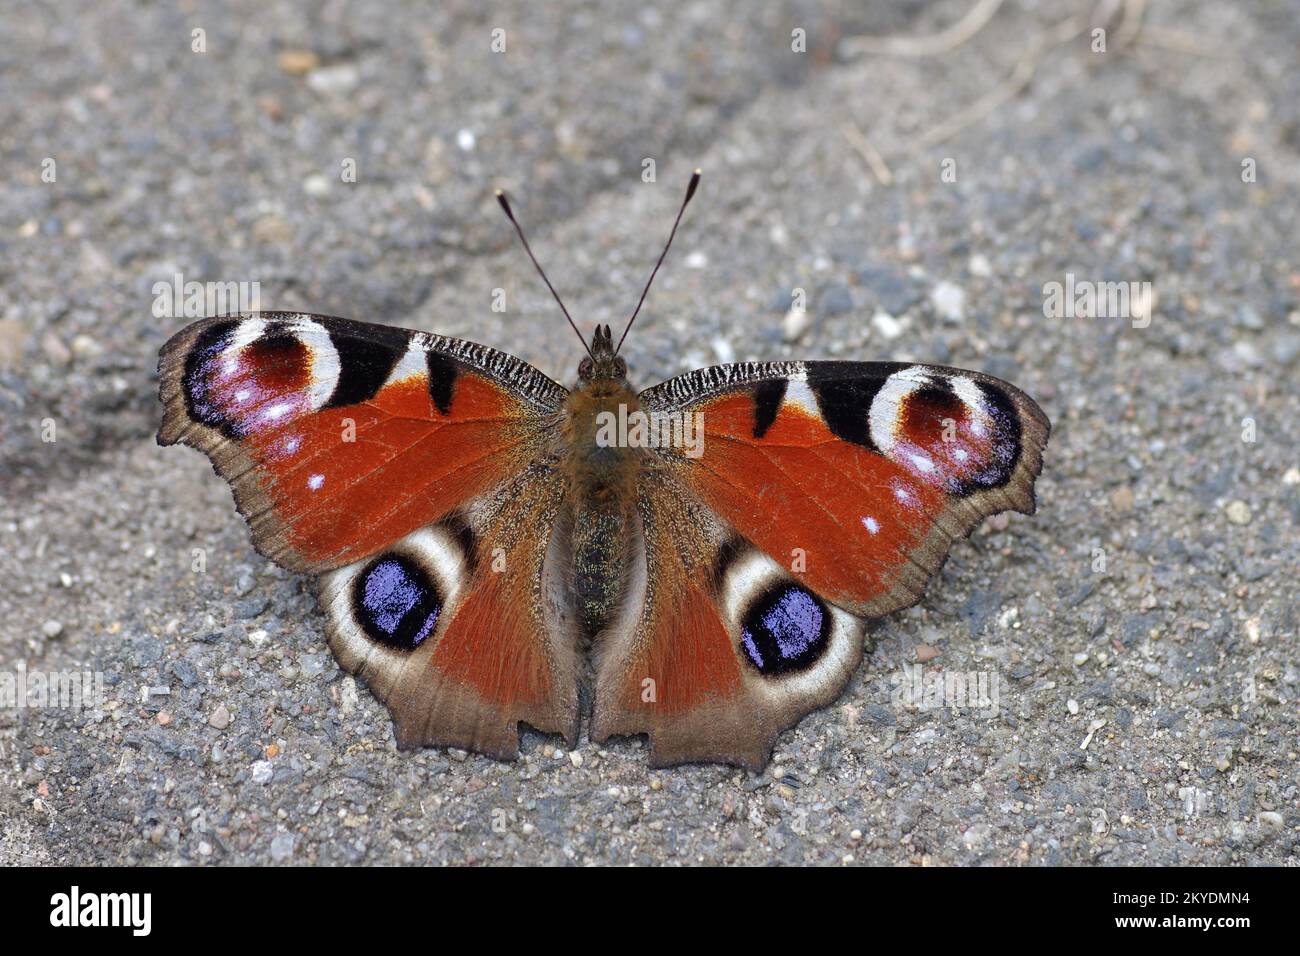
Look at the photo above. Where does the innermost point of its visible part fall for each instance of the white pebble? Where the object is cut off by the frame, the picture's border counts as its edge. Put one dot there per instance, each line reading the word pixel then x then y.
pixel 888 326
pixel 334 79
pixel 795 324
pixel 1238 512
pixel 1271 820
pixel 949 301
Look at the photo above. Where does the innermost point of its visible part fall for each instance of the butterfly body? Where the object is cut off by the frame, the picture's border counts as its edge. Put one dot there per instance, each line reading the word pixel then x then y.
pixel 602 478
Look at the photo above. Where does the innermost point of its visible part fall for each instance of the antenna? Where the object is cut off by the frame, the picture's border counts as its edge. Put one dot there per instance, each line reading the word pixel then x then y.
pixel 505 204
pixel 690 191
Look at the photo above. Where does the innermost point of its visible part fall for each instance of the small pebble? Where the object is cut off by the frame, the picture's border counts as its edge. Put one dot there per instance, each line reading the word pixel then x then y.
pixel 1271 822
pixel 888 326
pixel 220 718
pixel 297 62
pixel 334 79
pixel 282 847
pixel 1238 512
pixel 52 628
pixel 795 324
pixel 949 301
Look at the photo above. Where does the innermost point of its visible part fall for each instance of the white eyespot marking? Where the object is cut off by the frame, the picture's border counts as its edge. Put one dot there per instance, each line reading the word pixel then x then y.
pixel 798 394
pixel 971 396
pixel 745 580
pixel 414 364
pixel 246 333
pixel 922 462
pixel 871 524
pixel 325 365
pixel 887 407
pixel 961 454
pixel 315 482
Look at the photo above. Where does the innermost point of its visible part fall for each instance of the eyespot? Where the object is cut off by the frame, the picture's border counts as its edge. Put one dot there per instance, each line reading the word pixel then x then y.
pixel 786 630
pixel 244 376
pixel 395 602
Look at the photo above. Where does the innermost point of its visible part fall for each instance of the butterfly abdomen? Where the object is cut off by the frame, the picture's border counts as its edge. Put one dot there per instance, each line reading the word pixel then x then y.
pixel 602 473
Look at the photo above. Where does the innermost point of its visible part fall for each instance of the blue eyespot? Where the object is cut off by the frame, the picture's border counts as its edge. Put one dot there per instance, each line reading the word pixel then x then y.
pixel 785 630
pixel 395 602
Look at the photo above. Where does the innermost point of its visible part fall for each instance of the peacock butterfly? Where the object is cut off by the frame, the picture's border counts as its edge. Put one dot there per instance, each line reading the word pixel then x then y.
pixel 474 524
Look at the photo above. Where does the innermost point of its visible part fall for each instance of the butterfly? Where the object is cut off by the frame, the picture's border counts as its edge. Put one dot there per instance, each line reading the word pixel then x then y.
pixel 490 545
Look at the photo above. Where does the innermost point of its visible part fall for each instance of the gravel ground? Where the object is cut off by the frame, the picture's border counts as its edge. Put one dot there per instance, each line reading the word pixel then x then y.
pixel 1141 627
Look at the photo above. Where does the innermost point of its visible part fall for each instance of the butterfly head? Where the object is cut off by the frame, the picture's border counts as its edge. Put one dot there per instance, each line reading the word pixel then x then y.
pixel 603 364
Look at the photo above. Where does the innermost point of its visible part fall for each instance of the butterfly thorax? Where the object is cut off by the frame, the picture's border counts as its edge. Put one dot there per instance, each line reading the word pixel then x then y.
pixel 602 469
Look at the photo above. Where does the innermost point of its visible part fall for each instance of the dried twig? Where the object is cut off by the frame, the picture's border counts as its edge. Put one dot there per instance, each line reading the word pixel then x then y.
pixel 875 161
pixel 1025 69
pixel 1130 31
pixel 1176 41
pixel 944 41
